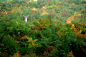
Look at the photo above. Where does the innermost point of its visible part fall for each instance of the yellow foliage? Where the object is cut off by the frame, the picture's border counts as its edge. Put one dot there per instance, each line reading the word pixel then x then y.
pixel 75 30
pixel 75 14
pixel 44 12
pixel 32 42
pixel 34 9
pixel 35 0
pixel 29 39
pixel 35 40
pixel 43 7
pixel 73 27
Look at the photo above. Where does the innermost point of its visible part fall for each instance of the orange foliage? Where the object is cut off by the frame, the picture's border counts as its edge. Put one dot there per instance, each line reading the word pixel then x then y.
pixel 11 11
pixel 9 28
pixel 50 48
pixel 16 54
pixel 68 21
pixel 70 54
pixel 4 53
pixel 7 2
pixel 72 18
pixel 6 12
pixel 18 42
pixel 84 4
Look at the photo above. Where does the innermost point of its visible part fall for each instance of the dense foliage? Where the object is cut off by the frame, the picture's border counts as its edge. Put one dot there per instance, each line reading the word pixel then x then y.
pixel 55 28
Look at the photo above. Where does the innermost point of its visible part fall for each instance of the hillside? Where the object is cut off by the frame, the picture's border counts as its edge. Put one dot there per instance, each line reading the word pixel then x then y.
pixel 54 28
